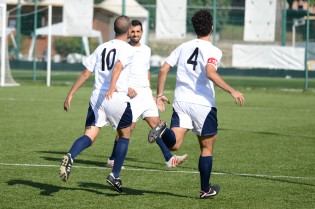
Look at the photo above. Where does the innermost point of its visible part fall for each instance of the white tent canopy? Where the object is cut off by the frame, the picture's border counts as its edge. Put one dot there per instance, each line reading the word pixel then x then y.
pixel 58 30
pixel 133 10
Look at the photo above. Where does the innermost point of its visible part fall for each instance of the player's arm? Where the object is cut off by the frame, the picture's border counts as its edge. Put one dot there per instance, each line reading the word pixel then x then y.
pixel 78 83
pixel 115 75
pixel 149 76
pixel 212 74
pixel 160 98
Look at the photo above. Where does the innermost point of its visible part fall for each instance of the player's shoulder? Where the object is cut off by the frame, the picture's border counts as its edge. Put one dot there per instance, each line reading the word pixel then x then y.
pixel 145 47
pixel 101 46
pixel 208 46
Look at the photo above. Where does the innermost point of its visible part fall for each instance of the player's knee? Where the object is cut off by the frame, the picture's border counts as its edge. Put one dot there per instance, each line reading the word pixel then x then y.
pixel 175 147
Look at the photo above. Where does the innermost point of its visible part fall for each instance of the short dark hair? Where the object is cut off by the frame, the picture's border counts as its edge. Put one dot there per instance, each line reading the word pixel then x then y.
pixel 202 22
pixel 121 25
pixel 136 23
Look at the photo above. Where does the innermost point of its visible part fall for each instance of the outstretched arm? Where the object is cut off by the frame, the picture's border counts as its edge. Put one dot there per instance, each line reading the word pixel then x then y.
pixel 160 98
pixel 217 79
pixel 78 83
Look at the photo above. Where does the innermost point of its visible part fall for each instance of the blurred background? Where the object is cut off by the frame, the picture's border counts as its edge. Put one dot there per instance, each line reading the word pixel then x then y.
pixel 257 38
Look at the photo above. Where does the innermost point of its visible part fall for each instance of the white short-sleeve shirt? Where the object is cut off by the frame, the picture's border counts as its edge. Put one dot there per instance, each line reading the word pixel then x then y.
pixel 138 76
pixel 192 84
pixel 143 104
pixel 102 62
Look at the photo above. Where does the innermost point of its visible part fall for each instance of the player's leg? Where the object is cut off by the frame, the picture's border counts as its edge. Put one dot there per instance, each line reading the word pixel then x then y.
pixel 121 119
pixel 181 123
pixel 180 134
pixel 137 108
pixel 77 147
pixel 153 122
pixel 121 150
pixel 111 159
pixel 150 113
pixel 205 166
pixel 206 128
pixel 167 139
pixel 83 142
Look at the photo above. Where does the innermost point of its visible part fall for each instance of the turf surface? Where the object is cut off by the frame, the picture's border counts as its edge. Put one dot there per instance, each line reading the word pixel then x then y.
pixel 264 156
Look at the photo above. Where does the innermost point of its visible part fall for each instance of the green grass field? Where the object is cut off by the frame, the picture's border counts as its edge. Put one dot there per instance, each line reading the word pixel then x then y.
pixel 264 157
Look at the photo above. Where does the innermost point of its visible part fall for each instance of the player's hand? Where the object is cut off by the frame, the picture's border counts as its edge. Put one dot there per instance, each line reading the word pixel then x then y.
pixel 66 104
pixel 110 92
pixel 160 102
pixel 131 92
pixel 238 97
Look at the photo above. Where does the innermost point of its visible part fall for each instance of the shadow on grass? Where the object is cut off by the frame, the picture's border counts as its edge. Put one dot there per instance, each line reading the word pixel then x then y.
pixel 270 178
pixel 284 181
pixel 267 133
pixel 103 163
pixel 278 134
pixel 61 153
pixel 49 189
pixel 129 191
pixel 77 161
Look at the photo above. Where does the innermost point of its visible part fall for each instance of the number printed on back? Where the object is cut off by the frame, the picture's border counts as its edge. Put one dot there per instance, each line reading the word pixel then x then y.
pixel 193 58
pixel 110 59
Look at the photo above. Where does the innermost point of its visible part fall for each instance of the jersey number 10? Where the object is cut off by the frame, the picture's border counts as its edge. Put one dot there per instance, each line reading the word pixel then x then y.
pixel 110 56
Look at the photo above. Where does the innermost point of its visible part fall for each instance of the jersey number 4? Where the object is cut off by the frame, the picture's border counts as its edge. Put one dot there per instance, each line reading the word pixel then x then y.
pixel 109 59
pixel 193 58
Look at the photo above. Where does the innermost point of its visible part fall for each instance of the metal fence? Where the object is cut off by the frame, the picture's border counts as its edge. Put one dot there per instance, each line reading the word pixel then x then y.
pixel 230 29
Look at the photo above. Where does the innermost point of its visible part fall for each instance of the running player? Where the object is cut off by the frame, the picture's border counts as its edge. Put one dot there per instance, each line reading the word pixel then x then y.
pixel 194 106
pixel 110 62
pixel 142 102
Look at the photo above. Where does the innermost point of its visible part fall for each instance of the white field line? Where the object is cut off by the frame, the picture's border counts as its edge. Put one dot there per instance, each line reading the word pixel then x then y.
pixel 28 99
pixel 165 171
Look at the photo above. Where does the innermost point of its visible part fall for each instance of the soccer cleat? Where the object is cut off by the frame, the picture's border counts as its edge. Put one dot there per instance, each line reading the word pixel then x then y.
pixel 65 167
pixel 157 131
pixel 213 191
pixel 176 160
pixel 114 182
pixel 110 163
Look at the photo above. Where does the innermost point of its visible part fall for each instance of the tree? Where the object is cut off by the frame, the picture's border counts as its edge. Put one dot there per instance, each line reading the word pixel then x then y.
pixel 98 1
pixel 192 6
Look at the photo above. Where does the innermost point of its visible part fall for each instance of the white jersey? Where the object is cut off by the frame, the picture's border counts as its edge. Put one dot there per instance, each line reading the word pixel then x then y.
pixel 138 76
pixel 143 104
pixel 192 84
pixel 102 61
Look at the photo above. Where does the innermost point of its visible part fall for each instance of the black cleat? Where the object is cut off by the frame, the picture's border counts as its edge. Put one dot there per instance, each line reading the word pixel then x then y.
pixel 213 191
pixel 65 167
pixel 114 182
pixel 157 131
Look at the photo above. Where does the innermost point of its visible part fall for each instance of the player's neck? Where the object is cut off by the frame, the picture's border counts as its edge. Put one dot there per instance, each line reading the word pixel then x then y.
pixel 134 43
pixel 205 38
pixel 122 37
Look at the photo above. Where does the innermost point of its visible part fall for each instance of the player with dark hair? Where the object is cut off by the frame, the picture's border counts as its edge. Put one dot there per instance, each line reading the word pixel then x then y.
pixel 142 102
pixel 110 62
pixel 194 106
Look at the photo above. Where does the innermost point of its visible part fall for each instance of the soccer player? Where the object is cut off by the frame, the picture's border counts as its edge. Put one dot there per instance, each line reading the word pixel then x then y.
pixel 109 102
pixel 194 106
pixel 142 102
